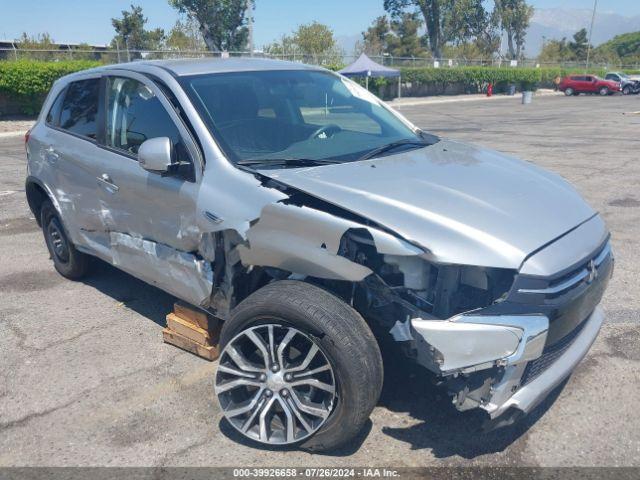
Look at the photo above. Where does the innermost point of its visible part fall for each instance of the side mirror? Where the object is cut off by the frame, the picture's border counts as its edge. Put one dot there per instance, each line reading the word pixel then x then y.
pixel 155 154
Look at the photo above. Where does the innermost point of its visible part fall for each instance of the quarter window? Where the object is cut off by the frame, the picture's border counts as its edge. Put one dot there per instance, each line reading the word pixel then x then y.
pixel 135 114
pixel 80 108
pixel 53 117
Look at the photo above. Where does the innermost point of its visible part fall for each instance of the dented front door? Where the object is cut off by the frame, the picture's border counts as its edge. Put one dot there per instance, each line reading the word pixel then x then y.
pixel 153 232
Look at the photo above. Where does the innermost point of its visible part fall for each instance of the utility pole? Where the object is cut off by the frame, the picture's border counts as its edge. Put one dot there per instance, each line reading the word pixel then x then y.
pixel 593 18
pixel 250 20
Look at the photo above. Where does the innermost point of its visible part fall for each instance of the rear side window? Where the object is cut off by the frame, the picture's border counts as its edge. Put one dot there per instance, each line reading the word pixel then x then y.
pixel 79 111
pixel 53 117
pixel 135 114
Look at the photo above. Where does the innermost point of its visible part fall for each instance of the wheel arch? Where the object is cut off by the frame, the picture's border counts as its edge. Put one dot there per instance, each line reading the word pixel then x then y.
pixel 37 193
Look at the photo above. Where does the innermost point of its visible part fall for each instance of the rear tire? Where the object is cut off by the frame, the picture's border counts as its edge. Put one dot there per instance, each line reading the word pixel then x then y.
pixel 69 262
pixel 568 92
pixel 341 335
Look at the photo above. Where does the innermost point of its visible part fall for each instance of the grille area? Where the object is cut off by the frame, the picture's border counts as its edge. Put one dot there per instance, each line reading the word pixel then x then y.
pixel 549 355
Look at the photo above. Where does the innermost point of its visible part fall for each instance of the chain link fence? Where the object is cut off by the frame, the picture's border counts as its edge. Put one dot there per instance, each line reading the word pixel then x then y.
pixel 110 56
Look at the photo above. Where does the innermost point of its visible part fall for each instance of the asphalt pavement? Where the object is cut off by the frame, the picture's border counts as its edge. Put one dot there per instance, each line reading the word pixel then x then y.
pixel 85 378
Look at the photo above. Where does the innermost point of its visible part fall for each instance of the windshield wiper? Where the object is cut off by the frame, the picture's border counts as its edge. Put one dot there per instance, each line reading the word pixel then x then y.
pixel 294 162
pixel 390 146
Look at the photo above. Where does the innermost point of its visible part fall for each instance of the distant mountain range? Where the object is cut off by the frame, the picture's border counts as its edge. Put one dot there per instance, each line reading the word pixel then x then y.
pixel 555 23
pixel 552 23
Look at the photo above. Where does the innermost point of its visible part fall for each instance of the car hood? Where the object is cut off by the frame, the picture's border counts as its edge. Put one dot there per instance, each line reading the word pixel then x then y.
pixel 462 204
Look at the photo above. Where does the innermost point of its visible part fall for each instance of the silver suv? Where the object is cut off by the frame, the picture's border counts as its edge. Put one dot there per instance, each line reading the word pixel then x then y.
pixel 319 224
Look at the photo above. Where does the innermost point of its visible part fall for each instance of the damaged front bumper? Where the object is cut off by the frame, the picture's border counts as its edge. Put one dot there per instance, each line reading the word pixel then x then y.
pixel 529 395
pixel 508 357
pixel 500 352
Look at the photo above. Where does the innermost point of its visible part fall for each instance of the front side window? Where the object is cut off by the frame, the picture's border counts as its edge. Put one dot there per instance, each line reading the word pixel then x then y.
pixel 79 110
pixel 135 114
pixel 273 116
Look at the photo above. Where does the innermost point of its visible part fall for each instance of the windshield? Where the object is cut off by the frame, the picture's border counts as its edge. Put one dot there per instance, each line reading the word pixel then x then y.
pixel 271 117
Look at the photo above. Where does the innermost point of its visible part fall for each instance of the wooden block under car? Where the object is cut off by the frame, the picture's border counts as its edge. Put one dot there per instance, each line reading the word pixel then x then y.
pixel 209 352
pixel 196 317
pixel 190 331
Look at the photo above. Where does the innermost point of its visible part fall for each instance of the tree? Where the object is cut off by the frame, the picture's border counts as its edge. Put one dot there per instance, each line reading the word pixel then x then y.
pixel 467 20
pixel 514 16
pixel 131 34
pixel 435 14
pixel 398 37
pixel 405 41
pixel 375 39
pixel 286 46
pixel 580 45
pixel 566 51
pixel 315 39
pixel 451 21
pixel 623 48
pixel 472 29
pixel 42 41
pixel 185 35
pixel 223 23
pixel 555 51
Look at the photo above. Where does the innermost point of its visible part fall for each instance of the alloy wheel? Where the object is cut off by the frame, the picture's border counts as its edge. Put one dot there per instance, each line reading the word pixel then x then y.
pixel 275 385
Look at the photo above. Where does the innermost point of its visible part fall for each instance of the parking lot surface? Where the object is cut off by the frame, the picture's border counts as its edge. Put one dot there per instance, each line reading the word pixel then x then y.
pixel 86 380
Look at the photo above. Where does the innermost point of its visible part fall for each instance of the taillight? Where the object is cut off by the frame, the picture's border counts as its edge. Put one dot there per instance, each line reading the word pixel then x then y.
pixel 26 138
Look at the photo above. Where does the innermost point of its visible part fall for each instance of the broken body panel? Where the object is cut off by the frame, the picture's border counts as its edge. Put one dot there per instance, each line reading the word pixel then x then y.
pixel 450 249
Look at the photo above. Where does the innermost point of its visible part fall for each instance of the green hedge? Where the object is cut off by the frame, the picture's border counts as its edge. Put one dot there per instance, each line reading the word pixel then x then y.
pixel 473 79
pixel 25 83
pixel 477 76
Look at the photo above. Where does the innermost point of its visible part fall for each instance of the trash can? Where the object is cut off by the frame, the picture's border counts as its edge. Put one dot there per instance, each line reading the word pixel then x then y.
pixel 527 97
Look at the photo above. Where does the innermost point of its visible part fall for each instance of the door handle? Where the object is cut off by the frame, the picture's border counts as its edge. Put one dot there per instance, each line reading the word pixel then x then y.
pixel 105 181
pixel 51 156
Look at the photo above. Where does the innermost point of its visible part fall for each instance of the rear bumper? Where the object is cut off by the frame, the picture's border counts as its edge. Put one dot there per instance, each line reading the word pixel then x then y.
pixel 527 397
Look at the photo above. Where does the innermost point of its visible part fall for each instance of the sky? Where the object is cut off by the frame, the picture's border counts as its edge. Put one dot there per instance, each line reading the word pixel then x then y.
pixel 89 21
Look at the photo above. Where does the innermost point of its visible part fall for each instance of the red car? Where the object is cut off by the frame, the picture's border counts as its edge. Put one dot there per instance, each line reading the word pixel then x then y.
pixel 577 84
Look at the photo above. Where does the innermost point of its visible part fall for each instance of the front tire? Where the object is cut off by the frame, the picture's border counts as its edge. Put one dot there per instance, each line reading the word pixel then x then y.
pixel 69 262
pixel 604 91
pixel 626 90
pixel 309 368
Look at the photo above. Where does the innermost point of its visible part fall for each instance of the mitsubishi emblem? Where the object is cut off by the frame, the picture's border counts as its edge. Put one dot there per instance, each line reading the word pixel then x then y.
pixel 593 272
